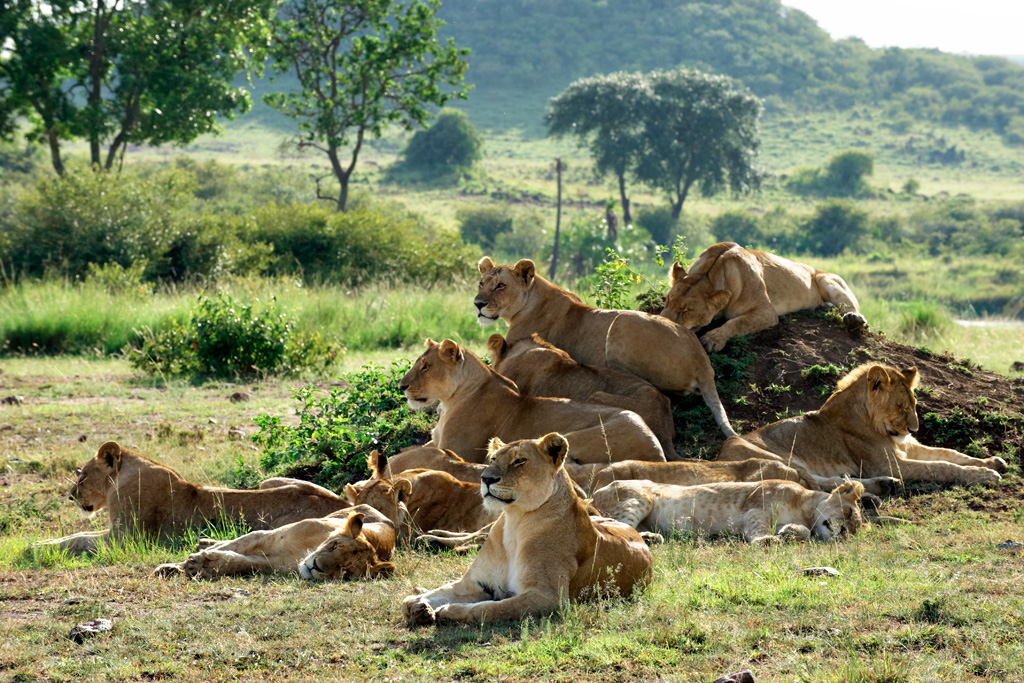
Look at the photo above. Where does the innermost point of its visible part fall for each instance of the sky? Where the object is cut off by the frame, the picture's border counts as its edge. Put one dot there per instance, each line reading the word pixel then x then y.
pixel 977 27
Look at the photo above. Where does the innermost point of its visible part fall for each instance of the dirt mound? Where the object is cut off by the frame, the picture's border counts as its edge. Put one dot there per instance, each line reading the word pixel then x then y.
pixel 794 366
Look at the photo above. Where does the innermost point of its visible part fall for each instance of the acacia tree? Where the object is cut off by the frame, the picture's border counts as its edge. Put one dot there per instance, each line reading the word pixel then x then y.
pixel 361 65
pixel 698 131
pixel 605 113
pixel 120 72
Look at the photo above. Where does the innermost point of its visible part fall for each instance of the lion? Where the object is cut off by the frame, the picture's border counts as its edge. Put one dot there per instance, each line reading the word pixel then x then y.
pixel 683 472
pixel 540 369
pixel 863 432
pixel 430 458
pixel 751 289
pixel 761 511
pixel 665 354
pixel 477 403
pixel 545 548
pixel 144 496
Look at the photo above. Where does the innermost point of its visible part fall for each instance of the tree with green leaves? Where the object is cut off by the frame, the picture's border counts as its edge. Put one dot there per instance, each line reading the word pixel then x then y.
pixel 605 113
pixel 450 146
pixel 699 131
pixel 121 72
pixel 362 65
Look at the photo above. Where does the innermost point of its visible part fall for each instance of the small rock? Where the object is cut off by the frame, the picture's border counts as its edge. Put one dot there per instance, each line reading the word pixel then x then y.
pixel 235 434
pixel 12 400
pixel 212 420
pixel 1010 544
pixel 240 396
pixel 89 629
pixel 82 438
pixel 821 571
pixel 7 428
pixel 745 676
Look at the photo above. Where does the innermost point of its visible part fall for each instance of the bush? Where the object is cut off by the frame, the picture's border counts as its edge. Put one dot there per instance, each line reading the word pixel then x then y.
pixel 448 148
pixel 835 226
pixel 843 176
pixel 659 223
pixel 484 224
pixel 226 338
pixel 737 226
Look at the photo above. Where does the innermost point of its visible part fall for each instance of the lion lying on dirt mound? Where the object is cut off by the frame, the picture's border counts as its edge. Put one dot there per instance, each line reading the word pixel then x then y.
pixel 540 369
pixel 543 549
pixel 751 289
pixel 863 432
pixel 477 403
pixel 760 511
pixel 682 473
pixel 665 354
pixel 144 496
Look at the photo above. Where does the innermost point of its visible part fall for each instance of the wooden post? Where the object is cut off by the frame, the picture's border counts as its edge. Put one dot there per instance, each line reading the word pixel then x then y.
pixel 559 167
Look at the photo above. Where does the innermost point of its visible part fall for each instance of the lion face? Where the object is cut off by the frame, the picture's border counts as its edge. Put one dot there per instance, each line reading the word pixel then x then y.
pixel 94 480
pixel 521 474
pixel 692 302
pixel 839 513
pixel 503 289
pixel 891 402
pixel 385 496
pixel 433 377
pixel 345 555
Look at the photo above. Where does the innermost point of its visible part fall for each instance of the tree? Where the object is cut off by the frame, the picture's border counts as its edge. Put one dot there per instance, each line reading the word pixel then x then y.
pixel 835 225
pixel 698 131
pixel 844 175
pixel 361 65
pixel 605 113
pixel 121 72
pixel 450 146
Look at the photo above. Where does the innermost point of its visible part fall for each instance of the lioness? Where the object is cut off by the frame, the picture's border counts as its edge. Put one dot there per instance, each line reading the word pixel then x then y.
pixel 751 289
pixel 667 355
pixel 477 403
pixel 683 472
pixel 760 511
pixel 543 549
pixel 540 369
pixel 430 458
pixel 144 496
pixel 863 432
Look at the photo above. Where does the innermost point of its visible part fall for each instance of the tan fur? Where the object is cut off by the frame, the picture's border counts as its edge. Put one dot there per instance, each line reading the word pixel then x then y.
pixel 477 403
pixel 540 369
pixel 760 511
pixel 751 289
pixel 144 496
pixel 439 501
pixel 863 432
pixel 430 458
pixel 665 354
pixel 544 548
pixel 682 473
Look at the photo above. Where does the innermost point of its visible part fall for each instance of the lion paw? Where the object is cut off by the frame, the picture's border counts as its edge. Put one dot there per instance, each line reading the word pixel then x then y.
pixel 883 486
pixel 985 476
pixel 165 571
pixel 995 463
pixel 417 612
pixel 652 538
pixel 204 543
pixel 197 565
pixel 854 322
pixel 714 342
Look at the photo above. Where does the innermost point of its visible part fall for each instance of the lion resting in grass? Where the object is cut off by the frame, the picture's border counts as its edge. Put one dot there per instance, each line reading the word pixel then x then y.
pixel 144 496
pixel 477 403
pixel 863 432
pixel 760 511
pixel 665 354
pixel 540 369
pixel 430 458
pixel 751 289
pixel 682 472
pixel 543 549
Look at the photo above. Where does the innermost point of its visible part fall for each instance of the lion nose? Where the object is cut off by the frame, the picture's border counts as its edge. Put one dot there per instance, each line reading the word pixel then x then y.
pixel 402 386
pixel 488 481
pixel 479 303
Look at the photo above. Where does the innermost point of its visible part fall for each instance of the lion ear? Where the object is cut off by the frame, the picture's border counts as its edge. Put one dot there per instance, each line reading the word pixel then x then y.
pixel 373 464
pixel 353 525
pixel 485 265
pixel 403 487
pixel 525 269
pixel 496 346
pixel 430 343
pixel 678 272
pixel 351 492
pixel 494 445
pixel 718 300
pixel 555 447
pixel 450 352
pixel 877 378
pixel 910 374
pixel 110 454
pixel 380 570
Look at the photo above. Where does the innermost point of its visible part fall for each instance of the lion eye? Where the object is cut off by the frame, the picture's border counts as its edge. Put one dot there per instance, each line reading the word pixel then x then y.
pixel 501 285
pixel 519 462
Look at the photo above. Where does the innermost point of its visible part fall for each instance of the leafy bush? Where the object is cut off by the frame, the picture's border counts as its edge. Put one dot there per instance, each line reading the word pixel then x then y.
pixel 449 147
pixel 737 226
pixel 836 225
pixel 843 176
pixel 227 338
pixel 658 221
pixel 338 427
pixel 484 224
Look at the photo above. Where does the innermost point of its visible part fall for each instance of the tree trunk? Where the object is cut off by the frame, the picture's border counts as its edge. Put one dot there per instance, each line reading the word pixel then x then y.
pixel 343 177
pixel 627 218
pixel 95 86
pixel 558 220
pixel 54 142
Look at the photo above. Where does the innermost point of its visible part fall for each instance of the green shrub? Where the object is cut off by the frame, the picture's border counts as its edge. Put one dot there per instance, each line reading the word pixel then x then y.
pixel 737 226
pixel 484 224
pixel 835 226
pixel 340 426
pixel 449 147
pixel 227 338
pixel 659 223
pixel 843 176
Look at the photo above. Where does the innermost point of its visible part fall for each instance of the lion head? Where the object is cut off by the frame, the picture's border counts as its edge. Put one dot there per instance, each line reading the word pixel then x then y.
pixel 96 477
pixel 521 474
pixel 503 289
pixel 387 496
pixel 543 356
pixel 692 301
pixel 889 393
pixel 345 555
pixel 839 513
pixel 433 376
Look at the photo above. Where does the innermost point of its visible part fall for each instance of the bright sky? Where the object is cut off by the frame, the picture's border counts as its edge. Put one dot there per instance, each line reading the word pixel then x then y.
pixel 978 27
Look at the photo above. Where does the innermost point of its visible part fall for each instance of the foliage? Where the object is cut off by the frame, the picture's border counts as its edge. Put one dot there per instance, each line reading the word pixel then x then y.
pixel 449 147
pixel 737 226
pixel 612 282
pixel 482 225
pixel 362 65
pixel 339 426
pixel 835 226
pixel 843 176
pixel 120 74
pixel 228 338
